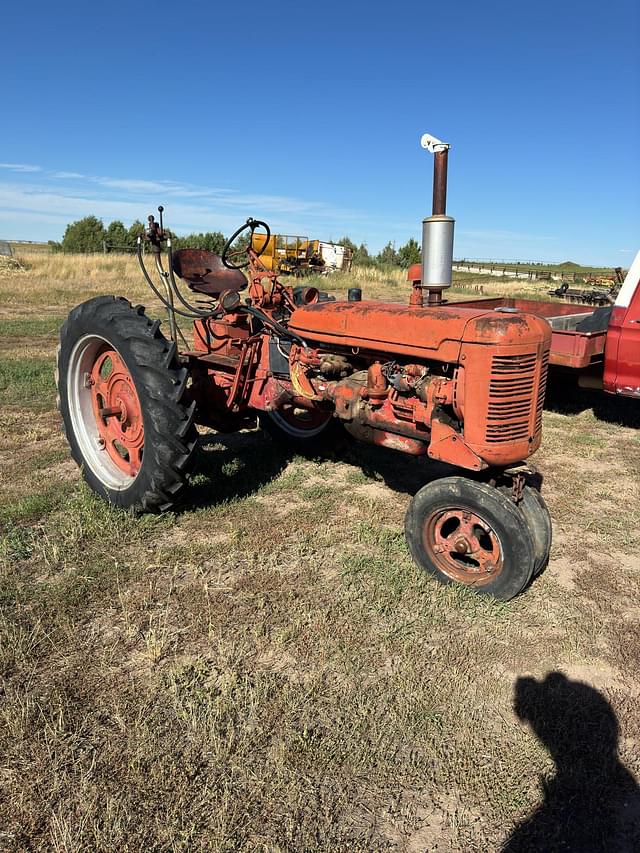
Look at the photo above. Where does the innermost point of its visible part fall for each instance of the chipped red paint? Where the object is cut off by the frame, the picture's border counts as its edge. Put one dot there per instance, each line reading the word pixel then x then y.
pixel 117 411
pixel 467 388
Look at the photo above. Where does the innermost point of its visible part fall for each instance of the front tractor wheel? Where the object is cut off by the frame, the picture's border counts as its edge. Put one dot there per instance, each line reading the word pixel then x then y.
pixel 537 516
pixel 121 395
pixel 469 533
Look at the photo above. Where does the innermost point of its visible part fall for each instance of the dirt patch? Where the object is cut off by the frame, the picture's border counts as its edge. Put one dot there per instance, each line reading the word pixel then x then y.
pixel 266 668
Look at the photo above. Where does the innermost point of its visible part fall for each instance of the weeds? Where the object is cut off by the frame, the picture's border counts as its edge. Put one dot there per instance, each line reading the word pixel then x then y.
pixel 266 668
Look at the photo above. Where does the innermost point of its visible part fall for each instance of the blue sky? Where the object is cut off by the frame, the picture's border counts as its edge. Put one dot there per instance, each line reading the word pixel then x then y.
pixel 310 115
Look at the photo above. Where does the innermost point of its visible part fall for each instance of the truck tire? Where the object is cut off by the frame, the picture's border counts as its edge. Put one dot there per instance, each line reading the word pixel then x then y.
pixel 122 398
pixel 469 533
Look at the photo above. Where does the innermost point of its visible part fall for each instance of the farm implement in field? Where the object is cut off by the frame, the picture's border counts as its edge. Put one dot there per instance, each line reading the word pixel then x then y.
pixel 461 385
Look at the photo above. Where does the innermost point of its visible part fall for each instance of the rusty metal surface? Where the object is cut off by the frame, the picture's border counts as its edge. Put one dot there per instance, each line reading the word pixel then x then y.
pixel 527 306
pixel 427 333
pixel 440 163
pixel 381 327
pixel 449 446
pixel 410 378
pixel 569 348
pixel 463 546
pixel 503 395
pixel 205 273
pixel 383 438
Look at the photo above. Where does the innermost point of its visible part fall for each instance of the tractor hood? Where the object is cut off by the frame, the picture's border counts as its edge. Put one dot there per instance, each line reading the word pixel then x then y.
pixel 426 333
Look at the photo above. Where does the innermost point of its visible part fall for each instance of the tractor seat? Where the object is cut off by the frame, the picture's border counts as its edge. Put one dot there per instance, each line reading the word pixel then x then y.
pixel 204 272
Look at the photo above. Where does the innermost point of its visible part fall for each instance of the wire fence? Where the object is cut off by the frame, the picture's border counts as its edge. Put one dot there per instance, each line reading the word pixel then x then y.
pixel 531 272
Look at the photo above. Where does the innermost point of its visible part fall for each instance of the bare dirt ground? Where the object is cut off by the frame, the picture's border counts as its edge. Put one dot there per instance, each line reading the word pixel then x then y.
pixel 267 670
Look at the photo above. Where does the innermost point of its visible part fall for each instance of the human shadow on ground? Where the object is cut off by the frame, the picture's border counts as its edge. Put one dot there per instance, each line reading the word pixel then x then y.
pixel 565 397
pixel 592 804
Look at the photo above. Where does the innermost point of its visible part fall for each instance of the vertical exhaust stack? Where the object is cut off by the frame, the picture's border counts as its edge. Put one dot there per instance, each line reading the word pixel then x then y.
pixel 437 229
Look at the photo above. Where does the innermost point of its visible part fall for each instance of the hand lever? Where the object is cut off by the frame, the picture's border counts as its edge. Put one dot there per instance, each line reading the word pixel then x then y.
pixel 155 231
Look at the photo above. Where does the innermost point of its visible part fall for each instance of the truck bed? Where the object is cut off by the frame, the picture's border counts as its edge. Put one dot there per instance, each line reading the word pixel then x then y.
pixel 570 347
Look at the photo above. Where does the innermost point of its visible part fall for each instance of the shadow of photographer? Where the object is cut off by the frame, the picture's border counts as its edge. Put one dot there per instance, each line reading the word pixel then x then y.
pixel 593 802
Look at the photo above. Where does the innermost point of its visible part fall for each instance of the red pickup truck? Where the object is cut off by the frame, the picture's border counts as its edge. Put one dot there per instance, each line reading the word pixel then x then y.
pixel 601 345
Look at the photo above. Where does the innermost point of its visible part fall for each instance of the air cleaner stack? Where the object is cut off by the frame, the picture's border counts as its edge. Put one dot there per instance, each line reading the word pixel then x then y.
pixel 437 229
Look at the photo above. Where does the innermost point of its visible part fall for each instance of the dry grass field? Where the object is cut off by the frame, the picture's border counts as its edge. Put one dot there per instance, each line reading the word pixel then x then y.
pixel 266 669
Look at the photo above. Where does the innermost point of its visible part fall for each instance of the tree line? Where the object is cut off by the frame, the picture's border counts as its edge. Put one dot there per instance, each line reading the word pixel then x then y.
pixel 388 256
pixel 90 235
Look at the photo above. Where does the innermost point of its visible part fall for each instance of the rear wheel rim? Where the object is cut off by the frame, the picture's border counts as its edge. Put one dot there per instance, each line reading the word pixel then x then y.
pixel 463 546
pixel 105 412
pixel 300 423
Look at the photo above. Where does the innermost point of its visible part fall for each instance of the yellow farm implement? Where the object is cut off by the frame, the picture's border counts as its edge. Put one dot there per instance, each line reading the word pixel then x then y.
pixel 299 255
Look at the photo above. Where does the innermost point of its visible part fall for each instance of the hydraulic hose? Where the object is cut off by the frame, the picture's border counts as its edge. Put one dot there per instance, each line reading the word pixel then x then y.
pixel 163 299
pixel 195 313
pixel 273 324
pixel 174 285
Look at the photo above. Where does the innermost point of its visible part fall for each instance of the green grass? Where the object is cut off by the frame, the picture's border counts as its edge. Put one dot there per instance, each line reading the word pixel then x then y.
pixel 27 381
pixel 266 668
pixel 30 327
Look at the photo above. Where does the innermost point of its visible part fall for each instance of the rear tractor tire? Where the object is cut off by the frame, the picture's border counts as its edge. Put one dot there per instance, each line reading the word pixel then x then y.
pixel 122 396
pixel 465 532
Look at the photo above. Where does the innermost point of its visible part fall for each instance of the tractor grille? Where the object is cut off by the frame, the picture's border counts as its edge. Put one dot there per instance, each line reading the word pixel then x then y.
pixel 541 390
pixel 513 397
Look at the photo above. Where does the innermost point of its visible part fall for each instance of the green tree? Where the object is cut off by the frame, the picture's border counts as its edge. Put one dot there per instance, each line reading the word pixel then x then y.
pixel 134 231
pixel 241 243
pixel 84 235
pixel 212 240
pixel 117 236
pixel 409 253
pixel 348 242
pixel 359 254
pixel 388 256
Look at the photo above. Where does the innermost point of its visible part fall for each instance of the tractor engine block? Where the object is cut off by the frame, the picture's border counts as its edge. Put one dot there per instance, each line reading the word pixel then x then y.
pixel 466 386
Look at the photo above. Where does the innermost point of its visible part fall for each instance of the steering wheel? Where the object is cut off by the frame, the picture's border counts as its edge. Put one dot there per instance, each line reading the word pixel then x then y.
pixel 227 255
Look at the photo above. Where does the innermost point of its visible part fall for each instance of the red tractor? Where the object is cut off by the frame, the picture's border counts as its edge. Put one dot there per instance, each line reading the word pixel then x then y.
pixel 461 385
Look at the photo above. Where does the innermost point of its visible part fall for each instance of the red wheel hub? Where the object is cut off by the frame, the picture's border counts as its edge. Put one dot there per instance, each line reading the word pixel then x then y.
pixel 117 411
pixel 463 546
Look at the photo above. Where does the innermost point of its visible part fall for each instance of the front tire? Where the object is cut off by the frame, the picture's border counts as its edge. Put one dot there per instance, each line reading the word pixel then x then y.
pixel 469 533
pixel 537 516
pixel 122 398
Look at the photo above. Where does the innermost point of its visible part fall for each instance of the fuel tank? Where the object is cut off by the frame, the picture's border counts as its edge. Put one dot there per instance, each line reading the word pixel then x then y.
pixel 433 333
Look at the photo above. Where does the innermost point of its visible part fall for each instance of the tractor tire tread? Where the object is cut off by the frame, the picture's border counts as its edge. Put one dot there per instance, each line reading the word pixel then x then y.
pixel 501 513
pixel 161 382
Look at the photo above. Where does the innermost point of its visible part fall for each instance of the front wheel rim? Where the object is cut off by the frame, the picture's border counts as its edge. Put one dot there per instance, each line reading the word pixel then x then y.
pixel 105 412
pixel 463 546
